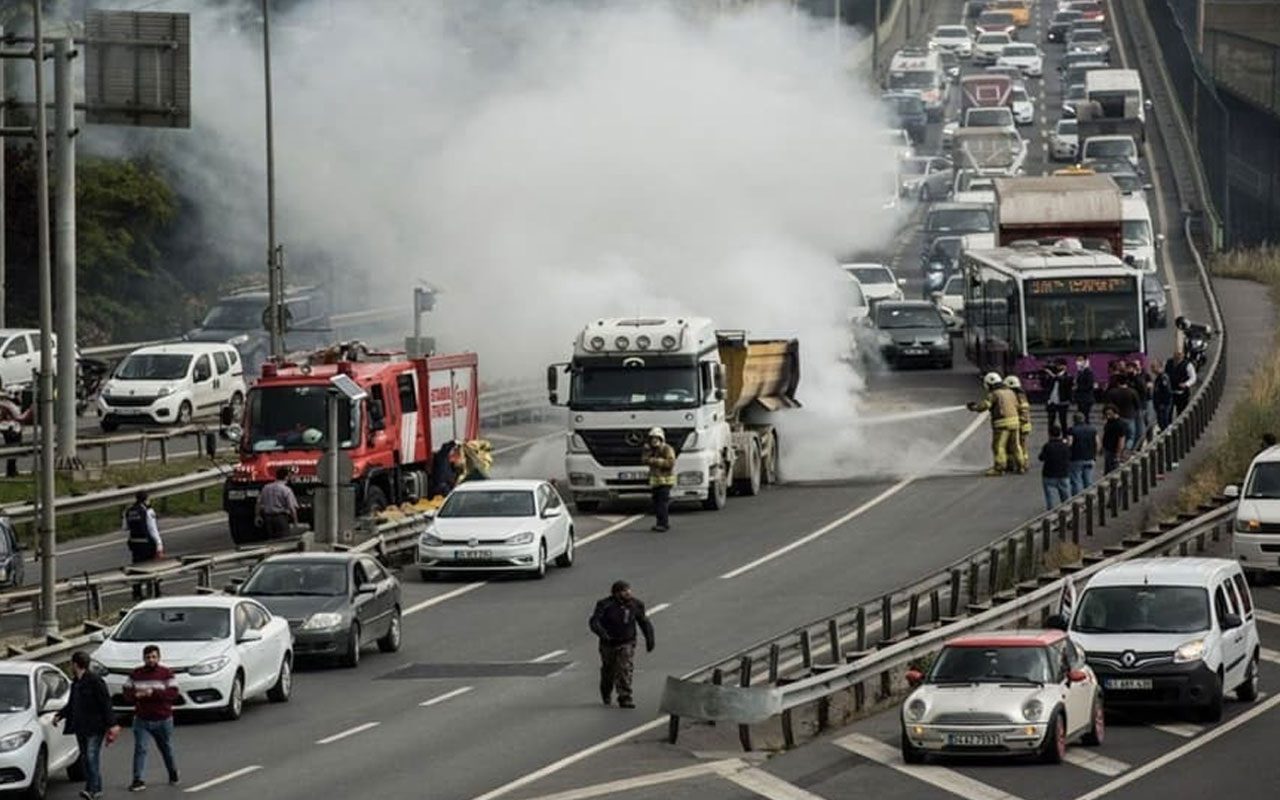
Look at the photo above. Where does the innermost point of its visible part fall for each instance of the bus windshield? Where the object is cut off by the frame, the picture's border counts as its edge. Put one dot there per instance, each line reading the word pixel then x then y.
pixel 1075 316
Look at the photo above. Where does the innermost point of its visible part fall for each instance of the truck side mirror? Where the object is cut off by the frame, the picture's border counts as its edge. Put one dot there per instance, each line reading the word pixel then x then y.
pixel 553 383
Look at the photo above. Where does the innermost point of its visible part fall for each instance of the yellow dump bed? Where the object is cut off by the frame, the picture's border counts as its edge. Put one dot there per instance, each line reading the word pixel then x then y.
pixel 763 372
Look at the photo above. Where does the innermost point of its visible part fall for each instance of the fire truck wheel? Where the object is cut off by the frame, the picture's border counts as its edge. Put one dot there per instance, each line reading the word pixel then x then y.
pixel 375 500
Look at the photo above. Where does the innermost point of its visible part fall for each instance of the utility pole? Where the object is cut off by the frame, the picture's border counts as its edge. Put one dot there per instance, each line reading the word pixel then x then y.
pixel 48 623
pixel 275 271
pixel 875 43
pixel 64 154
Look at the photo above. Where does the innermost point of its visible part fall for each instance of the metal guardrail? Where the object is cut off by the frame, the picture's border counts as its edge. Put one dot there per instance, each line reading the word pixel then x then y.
pixel 746 703
pixel 143 439
pixel 111 498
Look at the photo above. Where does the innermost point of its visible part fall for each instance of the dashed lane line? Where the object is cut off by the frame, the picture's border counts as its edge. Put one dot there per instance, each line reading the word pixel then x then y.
pixel 762 783
pixel 440 698
pixel 1184 729
pixel 348 732
pixel 945 779
pixel 637 782
pixel 1088 759
pixel 549 656
pixel 221 779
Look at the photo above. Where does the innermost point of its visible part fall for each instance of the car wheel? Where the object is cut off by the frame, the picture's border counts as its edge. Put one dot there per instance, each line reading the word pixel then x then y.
pixel 184 414
pixel 39 777
pixel 1097 732
pixel 1054 746
pixel 1212 712
pixel 428 575
pixel 910 753
pixel 235 702
pixel 540 571
pixel 351 658
pixel 237 407
pixel 390 643
pixel 1247 692
pixel 565 559
pixel 283 688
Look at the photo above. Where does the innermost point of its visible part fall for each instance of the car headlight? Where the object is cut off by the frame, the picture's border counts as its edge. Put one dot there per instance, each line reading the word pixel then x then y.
pixel 916 709
pixel 884 338
pixel 164 391
pixel 209 665
pixel 942 341
pixel 322 621
pixel 1191 651
pixel 429 539
pixel 106 392
pixel 1248 525
pixel 14 740
pixel 692 443
pixel 524 537
pixel 1032 709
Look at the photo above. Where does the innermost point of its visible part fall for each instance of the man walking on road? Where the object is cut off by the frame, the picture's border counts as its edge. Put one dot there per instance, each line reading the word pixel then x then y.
pixel 614 621
pixel 152 688
pixel 144 534
pixel 660 458
pixel 89 717
pixel 277 506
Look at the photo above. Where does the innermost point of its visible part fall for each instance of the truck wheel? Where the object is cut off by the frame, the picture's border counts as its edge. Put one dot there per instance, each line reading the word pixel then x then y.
pixel 769 464
pixel 717 492
pixel 374 500
pixel 586 506
pixel 750 486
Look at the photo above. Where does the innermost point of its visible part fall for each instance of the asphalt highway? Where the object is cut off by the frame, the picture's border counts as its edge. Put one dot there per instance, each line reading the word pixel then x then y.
pixel 716 582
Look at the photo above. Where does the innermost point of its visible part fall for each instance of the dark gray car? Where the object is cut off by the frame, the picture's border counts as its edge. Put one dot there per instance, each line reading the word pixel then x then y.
pixel 912 331
pixel 336 603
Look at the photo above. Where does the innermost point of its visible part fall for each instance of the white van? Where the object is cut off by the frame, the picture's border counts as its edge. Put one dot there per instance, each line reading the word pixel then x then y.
pixel 1140 239
pixel 919 71
pixel 172 384
pixel 1169 632
pixel 1255 540
pixel 20 356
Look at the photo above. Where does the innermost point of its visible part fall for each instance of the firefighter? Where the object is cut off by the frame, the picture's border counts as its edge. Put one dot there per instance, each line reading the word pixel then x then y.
pixel 1020 456
pixel 660 458
pixel 1003 405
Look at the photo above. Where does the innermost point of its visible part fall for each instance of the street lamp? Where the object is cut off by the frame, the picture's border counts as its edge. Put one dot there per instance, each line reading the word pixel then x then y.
pixel 275 288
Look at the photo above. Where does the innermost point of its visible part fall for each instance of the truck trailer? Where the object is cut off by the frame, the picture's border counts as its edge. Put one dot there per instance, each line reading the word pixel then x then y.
pixel 712 391
pixel 1083 207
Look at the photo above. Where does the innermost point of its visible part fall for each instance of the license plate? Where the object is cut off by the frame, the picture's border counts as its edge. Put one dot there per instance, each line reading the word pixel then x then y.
pixel 632 476
pixel 128 412
pixel 1128 683
pixel 914 351
pixel 974 739
pixel 472 555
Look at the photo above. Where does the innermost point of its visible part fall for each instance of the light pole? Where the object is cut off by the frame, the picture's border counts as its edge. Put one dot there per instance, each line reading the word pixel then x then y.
pixel 275 289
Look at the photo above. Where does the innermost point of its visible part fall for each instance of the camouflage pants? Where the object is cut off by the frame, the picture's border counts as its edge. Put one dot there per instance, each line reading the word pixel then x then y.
pixel 617 663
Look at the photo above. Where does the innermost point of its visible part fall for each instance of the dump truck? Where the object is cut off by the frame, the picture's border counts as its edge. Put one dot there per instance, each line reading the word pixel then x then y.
pixel 392 443
pixel 989 151
pixel 1083 207
pixel 984 90
pixel 712 392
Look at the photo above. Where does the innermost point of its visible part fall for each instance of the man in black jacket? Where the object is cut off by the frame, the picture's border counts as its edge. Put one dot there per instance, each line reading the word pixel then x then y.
pixel 614 621
pixel 89 716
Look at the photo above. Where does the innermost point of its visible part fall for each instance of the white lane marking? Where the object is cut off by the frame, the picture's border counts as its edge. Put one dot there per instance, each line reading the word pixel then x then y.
pixel 614 528
pixel 941 777
pixel 1267 654
pixel 348 732
pixel 440 698
pixel 549 656
pixel 230 776
pixel 1087 759
pixel 659 607
pixel 1184 729
pixel 762 783
pixel 1177 753
pixel 1269 617
pixel 638 782
pixel 573 758
pixel 526 442
pixel 860 510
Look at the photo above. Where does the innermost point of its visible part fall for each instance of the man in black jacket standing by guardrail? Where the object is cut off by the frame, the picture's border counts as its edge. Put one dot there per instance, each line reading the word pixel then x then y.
pixel 614 621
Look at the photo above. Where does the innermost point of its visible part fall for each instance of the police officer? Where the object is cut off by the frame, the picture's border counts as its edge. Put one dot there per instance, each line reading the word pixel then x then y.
pixel 660 458
pixel 614 622
pixel 1020 455
pixel 1003 405
pixel 144 541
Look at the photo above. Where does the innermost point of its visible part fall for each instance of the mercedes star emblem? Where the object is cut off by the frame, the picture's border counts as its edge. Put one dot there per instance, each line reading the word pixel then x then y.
pixel 1129 658
pixel 634 438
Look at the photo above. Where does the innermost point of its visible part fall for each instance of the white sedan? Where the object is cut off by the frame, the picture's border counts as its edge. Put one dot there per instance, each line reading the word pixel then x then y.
pixel 1064 141
pixel 1014 692
pixel 1024 108
pixel 224 650
pixel 498 526
pixel 954 38
pixel 988 47
pixel 1026 57
pixel 878 281
pixel 31 744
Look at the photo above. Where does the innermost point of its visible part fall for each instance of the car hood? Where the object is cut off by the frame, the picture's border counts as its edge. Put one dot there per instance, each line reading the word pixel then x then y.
pixel 14 721
pixel 176 655
pixel 119 388
pixel 1138 642
pixel 301 606
pixel 909 335
pixel 989 698
pixel 879 291
pixel 482 527
pixel 1260 509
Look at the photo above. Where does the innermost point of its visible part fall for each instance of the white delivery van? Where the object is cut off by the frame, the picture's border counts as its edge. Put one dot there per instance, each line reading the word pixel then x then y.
pixel 1140 239
pixel 1255 539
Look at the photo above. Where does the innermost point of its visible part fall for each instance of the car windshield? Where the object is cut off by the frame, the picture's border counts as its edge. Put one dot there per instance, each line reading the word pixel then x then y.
pixel 1076 91
pixel 1137 233
pixel 175 624
pixel 488 503
pixel 1087 36
pixel 914 79
pixel 1264 482
pixel 1021 96
pixel 1127 181
pixel 1019 50
pixel 993 38
pixel 951 32
pixel 153 367
pixel 612 387
pixel 999 664
pixel 867 275
pixel 974 220
pixel 1067 127
pixel 1151 286
pixel 1143 609
pixel 925 316
pixel 15 693
pixel 913 166
pixel 295 418
pixel 235 315
pixel 905 105
pixel 1066 17
pixel 279 578
pixel 988 117
pixel 1110 148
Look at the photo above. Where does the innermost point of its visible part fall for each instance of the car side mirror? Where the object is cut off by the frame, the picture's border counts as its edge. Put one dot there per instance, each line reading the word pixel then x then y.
pixel 1231 490
pixel 1077 676
pixel 551 513
pixel 902 281
pixel 251 635
pixel 914 678
pixel 54 704
pixel 367 588
pixel 1231 621
pixel 233 432
pixel 1057 622
pixel 98 636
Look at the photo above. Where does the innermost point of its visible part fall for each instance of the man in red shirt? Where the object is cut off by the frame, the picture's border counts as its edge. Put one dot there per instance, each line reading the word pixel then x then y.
pixel 152 688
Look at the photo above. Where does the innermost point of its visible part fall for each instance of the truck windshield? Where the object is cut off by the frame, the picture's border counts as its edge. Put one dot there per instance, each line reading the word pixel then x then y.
pixel 234 315
pixel 914 79
pixel 295 418
pixel 606 388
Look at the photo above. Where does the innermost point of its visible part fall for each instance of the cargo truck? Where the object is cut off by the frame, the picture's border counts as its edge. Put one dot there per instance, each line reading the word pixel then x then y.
pixel 1084 207
pixel 711 391
pixel 413 407
pixel 1113 105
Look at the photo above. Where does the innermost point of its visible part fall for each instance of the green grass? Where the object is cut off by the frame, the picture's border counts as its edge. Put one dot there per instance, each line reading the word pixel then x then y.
pixel 91 523
pixel 1257 411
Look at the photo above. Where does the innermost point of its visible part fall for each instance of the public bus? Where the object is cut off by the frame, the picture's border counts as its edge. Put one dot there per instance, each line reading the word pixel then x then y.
pixel 1027 306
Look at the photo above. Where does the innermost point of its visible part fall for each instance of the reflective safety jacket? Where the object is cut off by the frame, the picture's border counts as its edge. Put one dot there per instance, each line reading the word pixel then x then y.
pixel 1003 406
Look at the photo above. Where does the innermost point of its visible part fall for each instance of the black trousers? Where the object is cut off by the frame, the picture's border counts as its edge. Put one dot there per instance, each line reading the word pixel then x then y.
pixel 661 504
pixel 276 525
pixel 141 553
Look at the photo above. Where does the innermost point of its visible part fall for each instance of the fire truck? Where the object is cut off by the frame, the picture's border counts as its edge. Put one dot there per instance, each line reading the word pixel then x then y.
pixel 414 409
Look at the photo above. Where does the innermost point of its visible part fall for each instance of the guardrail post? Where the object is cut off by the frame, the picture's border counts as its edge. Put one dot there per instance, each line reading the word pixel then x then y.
pixel 1124 490
pixel 860 630
pixel 973 582
pixel 1075 522
pixel 744 680
pixel 806 652
pixel 143 447
pixel 788 730
pixel 913 612
pixel 935 606
pixel 833 635
pixel 1029 545
pixel 886 618
pixel 1088 513
pixel 954 599
pixel 717 679
pixel 1102 492
pixel 1011 555
pixel 1136 480
pixel 106 458
pixel 775 654
pixel 1046 534
pixel 204 576
pixel 673 729
pixel 1062 524
pixel 164 450
pixel 993 571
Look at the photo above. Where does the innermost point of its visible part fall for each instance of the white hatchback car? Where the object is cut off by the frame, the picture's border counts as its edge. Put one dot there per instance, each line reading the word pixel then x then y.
pixel 878 281
pixel 1014 692
pixel 32 745
pixel 223 649
pixel 498 526
pixel 173 384
pixel 1064 140
pixel 1026 57
pixel 1024 108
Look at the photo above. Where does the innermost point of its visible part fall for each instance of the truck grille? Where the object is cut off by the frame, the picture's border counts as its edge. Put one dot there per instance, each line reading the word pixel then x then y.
pixel 610 448
pixel 139 401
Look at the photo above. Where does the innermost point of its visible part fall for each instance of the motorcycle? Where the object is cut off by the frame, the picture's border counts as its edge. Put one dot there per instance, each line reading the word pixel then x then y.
pixel 91 373
pixel 935 276
pixel 1198 349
